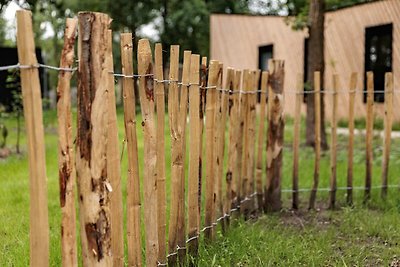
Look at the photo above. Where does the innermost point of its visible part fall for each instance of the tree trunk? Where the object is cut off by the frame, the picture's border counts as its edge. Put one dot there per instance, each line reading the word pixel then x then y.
pixel 315 63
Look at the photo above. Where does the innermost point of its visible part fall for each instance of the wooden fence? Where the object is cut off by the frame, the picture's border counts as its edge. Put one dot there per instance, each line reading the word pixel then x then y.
pixel 203 105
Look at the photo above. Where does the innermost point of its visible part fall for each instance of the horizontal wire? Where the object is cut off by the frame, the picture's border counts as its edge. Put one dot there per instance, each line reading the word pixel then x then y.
pixel 327 189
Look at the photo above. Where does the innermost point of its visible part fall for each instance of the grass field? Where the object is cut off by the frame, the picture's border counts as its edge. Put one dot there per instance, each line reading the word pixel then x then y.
pixel 365 235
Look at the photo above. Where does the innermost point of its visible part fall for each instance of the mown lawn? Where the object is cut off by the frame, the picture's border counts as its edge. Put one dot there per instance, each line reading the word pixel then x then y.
pixel 365 235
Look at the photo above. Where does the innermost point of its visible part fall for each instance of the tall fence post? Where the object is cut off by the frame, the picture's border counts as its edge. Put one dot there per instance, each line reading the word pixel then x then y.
pixel 194 155
pixel 91 162
pixel 161 187
pixel 350 149
pixel 32 102
pixel 276 125
pixel 332 199
pixel 388 131
pixel 133 204
pixel 296 141
pixel 369 134
pixel 210 126
pixel 146 92
pixel 66 164
pixel 317 143
pixel 114 167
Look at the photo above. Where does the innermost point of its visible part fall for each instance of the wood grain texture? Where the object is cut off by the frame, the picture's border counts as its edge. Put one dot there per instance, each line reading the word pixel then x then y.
pixel 91 144
pixel 333 159
pixel 194 155
pixel 388 121
pixel 210 131
pixel 66 161
pixel 296 141
pixel 114 167
pixel 317 147
pixel 146 92
pixel 133 202
pixel 276 126
pixel 350 147
pixel 369 135
pixel 33 115
pixel 161 186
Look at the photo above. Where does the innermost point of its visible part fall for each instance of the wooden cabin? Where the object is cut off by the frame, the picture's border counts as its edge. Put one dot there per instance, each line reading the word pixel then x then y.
pixel 364 37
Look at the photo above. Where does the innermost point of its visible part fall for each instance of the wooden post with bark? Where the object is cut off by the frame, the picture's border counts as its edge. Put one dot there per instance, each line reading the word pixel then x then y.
pixel 369 135
pixel 210 131
pixel 296 142
pixel 194 155
pixel 388 120
pixel 161 186
pixel 352 94
pixel 317 142
pixel 146 92
pixel 66 163
pixel 133 182
pixel 260 140
pixel 32 103
pixel 92 134
pixel 332 197
pixel 276 126
pixel 114 167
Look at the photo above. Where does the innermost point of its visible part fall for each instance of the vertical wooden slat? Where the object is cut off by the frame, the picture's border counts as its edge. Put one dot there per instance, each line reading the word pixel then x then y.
pixel 161 187
pixel 146 92
pixel 66 164
pixel 255 80
pixel 114 167
pixel 32 102
pixel 244 165
pixel 92 134
pixel 369 134
pixel 210 129
pixel 276 126
pixel 296 141
pixel 133 203
pixel 388 120
pixel 260 140
pixel 317 146
pixel 350 149
pixel 202 107
pixel 220 123
pixel 194 155
pixel 235 140
pixel 332 198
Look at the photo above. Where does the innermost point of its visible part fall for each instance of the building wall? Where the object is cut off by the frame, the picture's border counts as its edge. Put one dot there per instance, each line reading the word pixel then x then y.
pixel 235 40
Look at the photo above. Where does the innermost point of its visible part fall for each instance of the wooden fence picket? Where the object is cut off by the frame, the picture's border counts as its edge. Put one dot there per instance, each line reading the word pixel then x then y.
pixel 335 88
pixel 133 202
pixel 66 164
pixel 369 135
pixel 350 149
pixel 317 143
pixel 146 92
pixel 32 103
pixel 92 134
pixel 276 125
pixel 114 166
pixel 194 155
pixel 161 186
pixel 296 141
pixel 388 121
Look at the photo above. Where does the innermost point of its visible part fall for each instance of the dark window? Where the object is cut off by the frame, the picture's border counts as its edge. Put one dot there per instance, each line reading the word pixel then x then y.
pixel 265 53
pixel 378 57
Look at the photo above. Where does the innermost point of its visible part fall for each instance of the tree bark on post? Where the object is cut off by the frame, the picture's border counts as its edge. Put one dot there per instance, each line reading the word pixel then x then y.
pixel 276 125
pixel 316 20
pixel 91 162
pixel 66 164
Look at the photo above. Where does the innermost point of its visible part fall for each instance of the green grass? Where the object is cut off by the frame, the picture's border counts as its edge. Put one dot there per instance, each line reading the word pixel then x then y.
pixel 363 235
